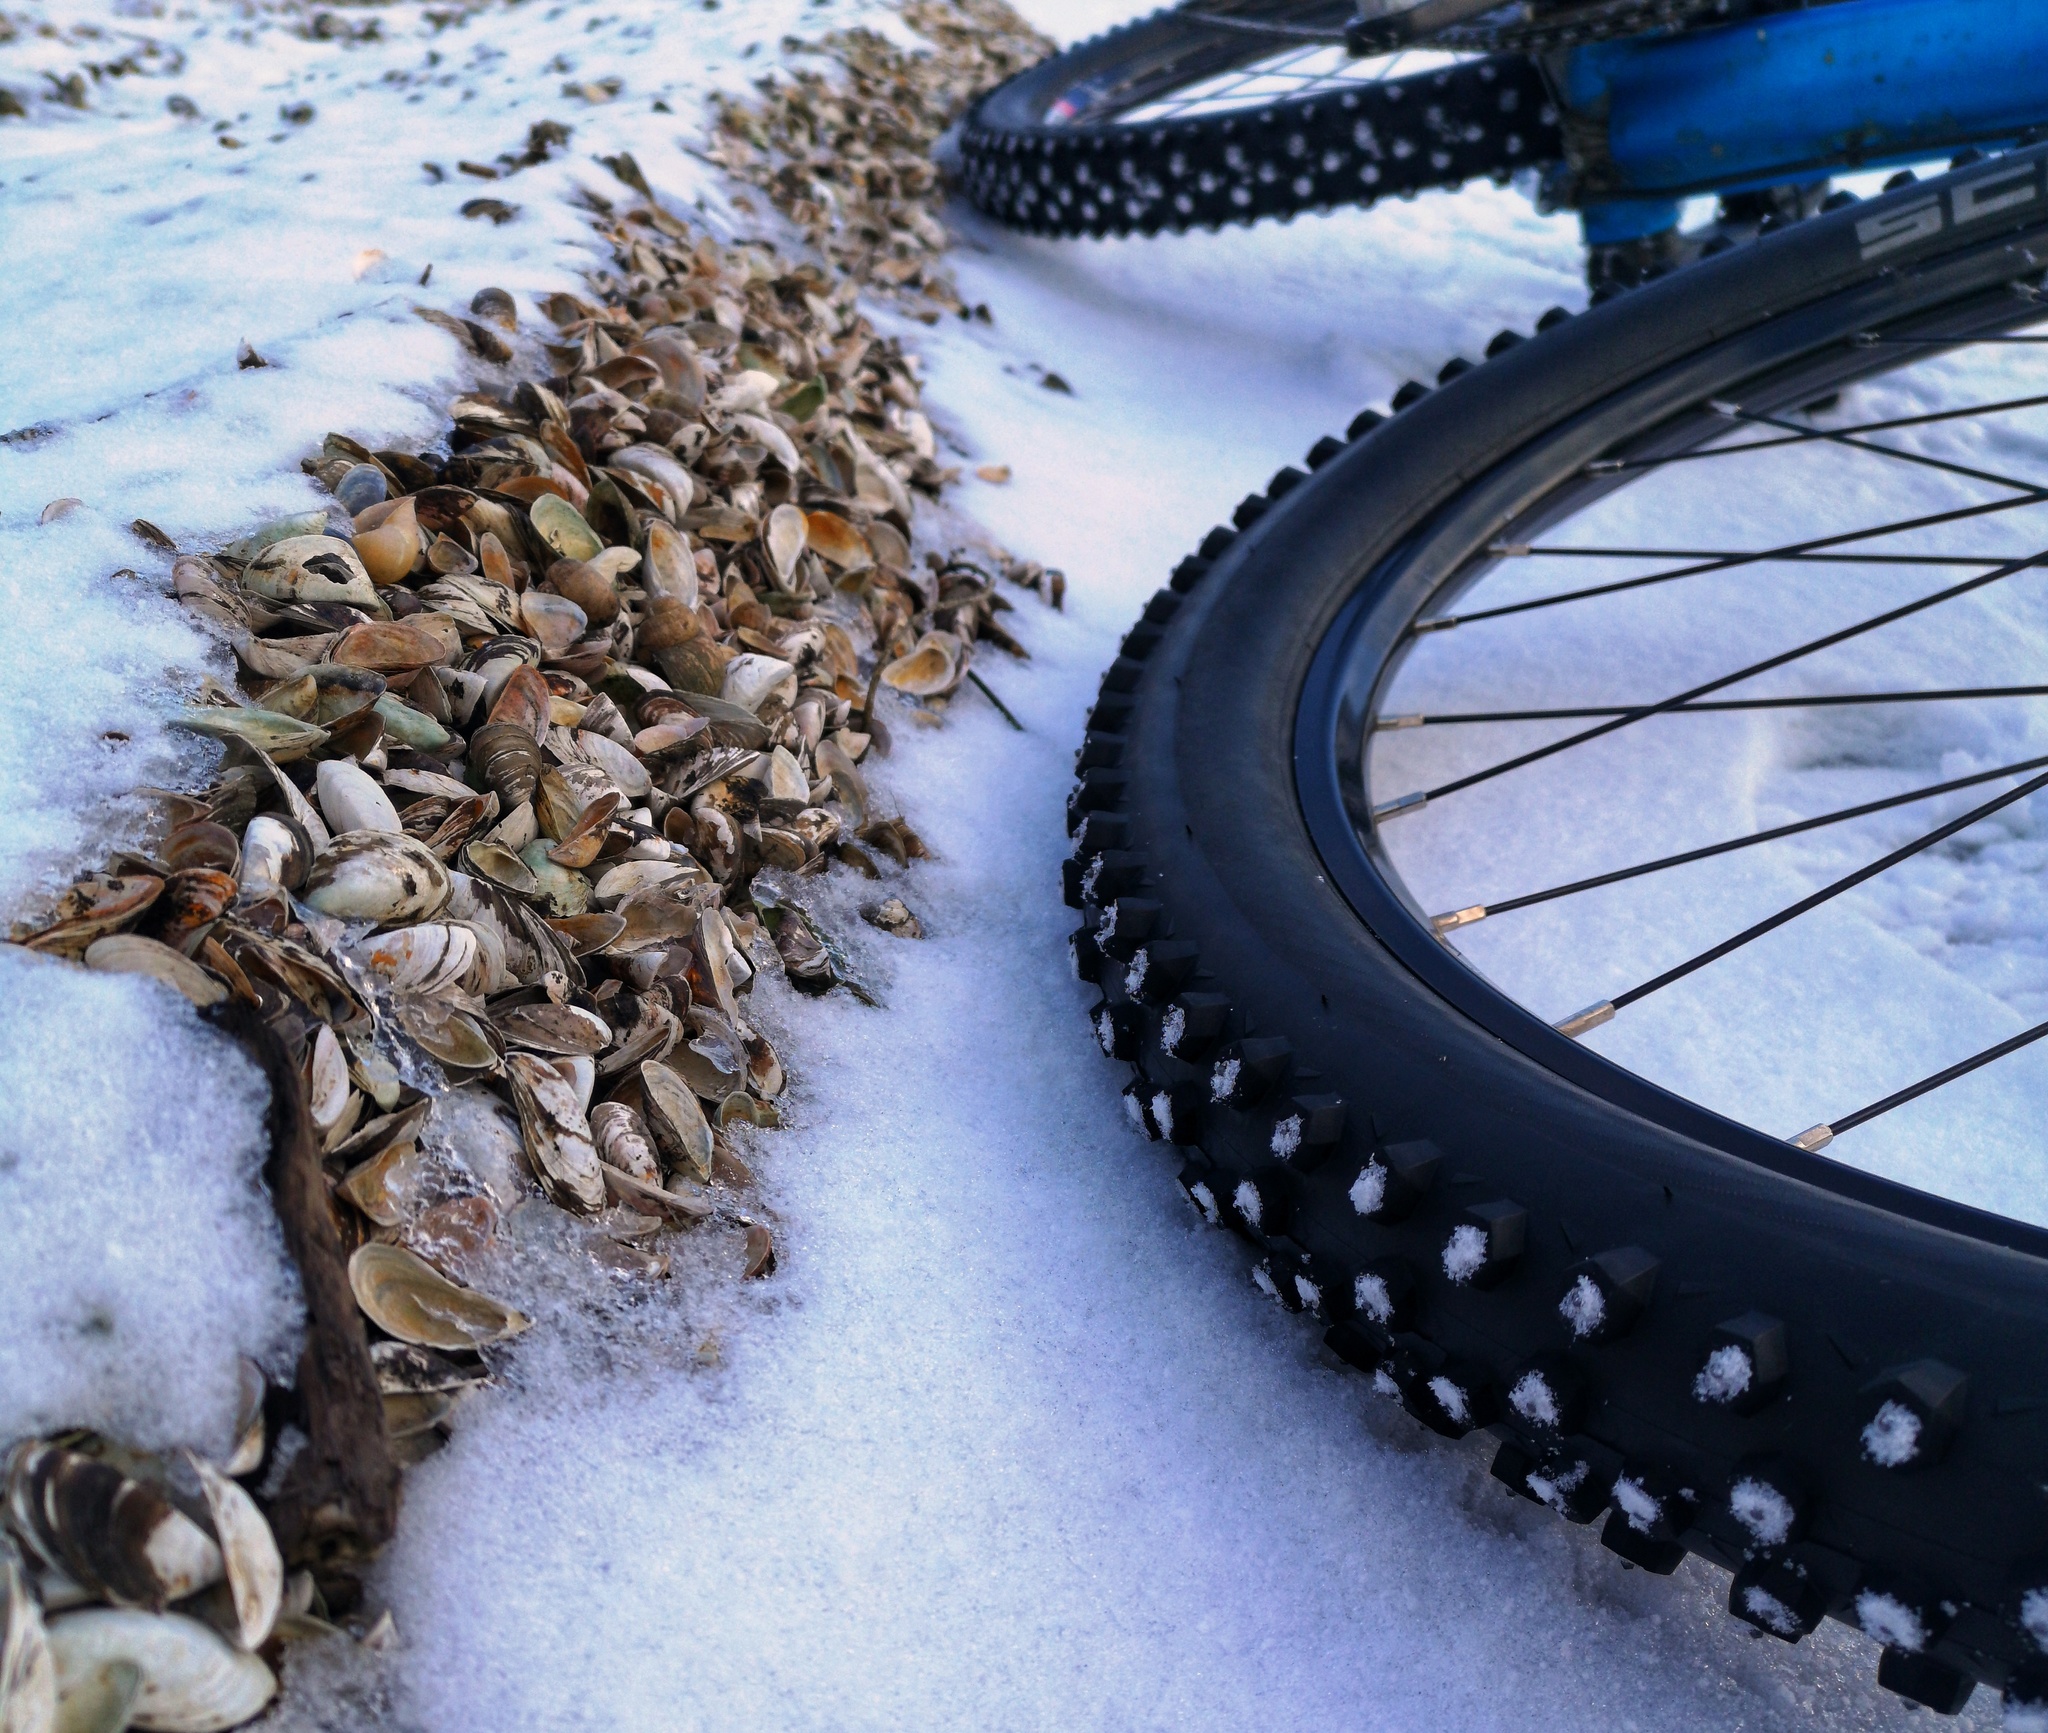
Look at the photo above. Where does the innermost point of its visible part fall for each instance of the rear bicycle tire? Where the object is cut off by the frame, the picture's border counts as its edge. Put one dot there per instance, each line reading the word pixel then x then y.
pixel 1299 1032
pixel 1485 118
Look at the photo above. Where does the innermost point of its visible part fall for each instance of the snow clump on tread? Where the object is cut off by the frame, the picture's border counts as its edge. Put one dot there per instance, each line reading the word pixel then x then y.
pixel 1763 1510
pixel 1726 1375
pixel 1369 1191
pixel 1464 1251
pixel 1892 1439
pixel 1889 1620
pixel 1583 1307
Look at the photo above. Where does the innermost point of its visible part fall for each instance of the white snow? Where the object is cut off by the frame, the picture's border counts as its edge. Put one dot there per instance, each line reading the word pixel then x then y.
pixel 1369 1190
pixel 1173 1026
pixel 1533 1399
pixel 1223 1079
pixel 1583 1306
pixel 1634 1501
pixel 1373 1299
pixel 1249 1204
pixel 1007 1442
pixel 1762 1509
pixel 1262 1278
pixel 2034 1615
pixel 1162 1114
pixel 1892 1439
pixel 1451 1396
pixel 1287 1137
pixel 1768 1610
pixel 1888 1619
pixel 1555 1487
pixel 1726 1375
pixel 1464 1252
pixel 142 1259
pixel 1311 1294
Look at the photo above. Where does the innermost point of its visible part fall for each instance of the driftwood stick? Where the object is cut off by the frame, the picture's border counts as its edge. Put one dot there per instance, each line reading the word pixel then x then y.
pixel 339 1500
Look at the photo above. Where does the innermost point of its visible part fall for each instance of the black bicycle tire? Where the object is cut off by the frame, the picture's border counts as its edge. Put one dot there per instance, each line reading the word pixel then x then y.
pixel 1214 840
pixel 1484 118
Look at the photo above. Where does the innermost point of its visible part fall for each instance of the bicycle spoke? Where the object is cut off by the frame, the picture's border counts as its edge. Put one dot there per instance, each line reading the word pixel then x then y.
pixel 1820 1136
pixel 1595 1015
pixel 1748 418
pixel 1524 551
pixel 1805 436
pixel 1414 802
pixel 1800 701
pixel 1481 911
pixel 1728 562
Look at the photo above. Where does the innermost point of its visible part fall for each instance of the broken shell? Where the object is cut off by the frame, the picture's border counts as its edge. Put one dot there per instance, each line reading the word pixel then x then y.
pixel 931 668
pixel 311 569
pixel 503 868
pixel 752 679
pixel 679 1208
pixel 247 1455
pixel 624 1142
pixel 669 573
pixel 370 875
pixel 130 954
pixel 405 1296
pixel 557 1135
pixel 350 799
pixel 388 542
pixel 587 837
pixel 523 700
pixel 561 526
pixel 555 621
pixel 255 1569
pixel 193 1679
pixel 283 738
pixel 28 1676
pixel 406 1370
pixel 120 1538
pixel 327 1086
pixel 588 933
pixel 629 878
pixel 411 1413
pixel 676 1118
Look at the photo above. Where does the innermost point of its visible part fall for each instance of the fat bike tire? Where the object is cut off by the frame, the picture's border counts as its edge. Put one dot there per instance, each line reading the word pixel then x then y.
pixel 1488 117
pixel 1351 1099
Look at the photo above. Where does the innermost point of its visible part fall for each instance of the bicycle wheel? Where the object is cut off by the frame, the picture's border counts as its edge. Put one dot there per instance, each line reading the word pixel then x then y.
pixel 1614 1260
pixel 1193 118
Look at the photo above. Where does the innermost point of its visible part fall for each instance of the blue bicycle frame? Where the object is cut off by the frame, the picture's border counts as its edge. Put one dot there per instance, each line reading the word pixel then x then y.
pixel 1791 96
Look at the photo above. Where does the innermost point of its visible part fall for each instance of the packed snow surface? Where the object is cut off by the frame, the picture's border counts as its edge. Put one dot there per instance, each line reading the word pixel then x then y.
pixel 1011 1441
pixel 141 1256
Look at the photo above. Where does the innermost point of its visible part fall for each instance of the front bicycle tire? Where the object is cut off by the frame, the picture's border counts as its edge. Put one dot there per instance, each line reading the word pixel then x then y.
pixel 1433 1171
pixel 1114 137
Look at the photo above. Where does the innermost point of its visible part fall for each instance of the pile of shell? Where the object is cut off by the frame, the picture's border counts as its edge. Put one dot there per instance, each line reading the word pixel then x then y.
pixel 846 154
pixel 520 721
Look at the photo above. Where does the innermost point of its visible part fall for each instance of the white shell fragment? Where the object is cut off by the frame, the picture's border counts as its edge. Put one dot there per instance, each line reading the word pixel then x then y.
pixel 371 876
pixel 132 954
pixel 28 1677
pixel 255 1568
pixel 193 1679
pixel 350 799
pixel 676 1118
pixel 751 680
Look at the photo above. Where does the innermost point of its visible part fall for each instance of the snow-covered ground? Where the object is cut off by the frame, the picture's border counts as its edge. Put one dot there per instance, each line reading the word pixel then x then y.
pixel 1009 1442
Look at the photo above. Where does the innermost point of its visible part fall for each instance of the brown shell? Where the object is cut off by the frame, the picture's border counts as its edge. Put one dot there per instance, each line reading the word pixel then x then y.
pixel 98 903
pixel 390 646
pixel 191 901
pixel 508 757
pixel 588 588
pixel 524 703
pixel 696 666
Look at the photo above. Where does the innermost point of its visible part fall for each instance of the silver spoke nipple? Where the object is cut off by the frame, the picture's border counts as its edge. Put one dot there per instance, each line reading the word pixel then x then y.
pixel 1510 550
pixel 1590 1018
pixel 1442 624
pixel 1386 724
pixel 1721 406
pixel 1606 465
pixel 1395 808
pixel 1815 1137
pixel 1458 918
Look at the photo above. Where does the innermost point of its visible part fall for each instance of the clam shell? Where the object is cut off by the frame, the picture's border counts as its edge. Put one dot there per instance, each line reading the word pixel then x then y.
pixel 624 1142
pixel 193 1679
pixel 626 771
pixel 429 957
pixel 247 1455
pixel 588 933
pixel 523 698
pixel 555 621
pixel 565 792
pixel 566 893
pixel 283 738
pixel 388 541
pixel 659 464
pixel 28 1676
pixel 587 587
pixel 549 1028
pixel 275 857
pixel 255 1569
pixel 327 1083
pixel 404 1370
pixel 677 1208
pixel 130 954
pixel 831 536
pixel 95 904
pixel 311 569
pixel 931 668
pixel 202 843
pixel 119 1538
pixel 752 679
pixel 630 878
pixel 786 538
pixel 557 1135
pixel 447 1032
pixel 405 1296
pixel 350 799
pixel 192 900
pixel 508 759
pixel 587 837
pixel 413 729
pixel 561 526
pixel 371 876
pixel 501 867
pixel 669 570
pixel 393 646
pixel 676 1118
